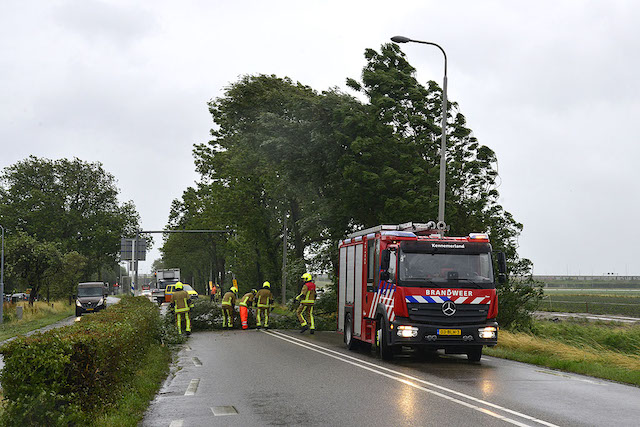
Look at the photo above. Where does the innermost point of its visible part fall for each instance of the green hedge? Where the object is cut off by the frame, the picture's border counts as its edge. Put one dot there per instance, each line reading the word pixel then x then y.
pixel 69 375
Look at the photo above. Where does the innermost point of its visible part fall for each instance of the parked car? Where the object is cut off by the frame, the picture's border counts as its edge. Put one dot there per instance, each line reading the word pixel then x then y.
pixel 19 296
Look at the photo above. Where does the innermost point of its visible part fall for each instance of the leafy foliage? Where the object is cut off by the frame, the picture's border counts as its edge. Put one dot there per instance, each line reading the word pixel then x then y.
pixel 518 299
pixel 36 263
pixel 68 375
pixel 207 316
pixel 79 198
pixel 331 164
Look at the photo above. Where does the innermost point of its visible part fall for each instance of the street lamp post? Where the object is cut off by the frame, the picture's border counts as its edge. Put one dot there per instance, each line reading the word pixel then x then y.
pixel 2 276
pixel 443 143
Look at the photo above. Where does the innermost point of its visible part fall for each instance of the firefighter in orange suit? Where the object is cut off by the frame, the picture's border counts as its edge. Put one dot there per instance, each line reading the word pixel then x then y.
pixel 214 289
pixel 228 307
pixel 245 302
pixel 307 300
pixel 181 304
pixel 264 301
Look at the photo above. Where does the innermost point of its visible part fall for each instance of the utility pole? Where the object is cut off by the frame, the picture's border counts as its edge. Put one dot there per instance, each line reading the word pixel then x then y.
pixel 135 264
pixel 284 262
pixel 2 276
pixel 443 139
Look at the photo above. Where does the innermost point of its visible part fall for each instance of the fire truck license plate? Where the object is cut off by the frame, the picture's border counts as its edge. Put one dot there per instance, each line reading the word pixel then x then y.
pixel 449 332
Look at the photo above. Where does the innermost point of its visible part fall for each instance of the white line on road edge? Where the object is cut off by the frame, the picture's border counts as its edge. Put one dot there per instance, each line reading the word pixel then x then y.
pixel 386 372
pixel 193 387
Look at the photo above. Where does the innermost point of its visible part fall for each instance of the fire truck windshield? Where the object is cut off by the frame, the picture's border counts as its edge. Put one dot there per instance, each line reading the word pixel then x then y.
pixel 462 270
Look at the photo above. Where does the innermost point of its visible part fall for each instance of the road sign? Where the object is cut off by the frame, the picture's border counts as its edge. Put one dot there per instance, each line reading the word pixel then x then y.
pixel 126 249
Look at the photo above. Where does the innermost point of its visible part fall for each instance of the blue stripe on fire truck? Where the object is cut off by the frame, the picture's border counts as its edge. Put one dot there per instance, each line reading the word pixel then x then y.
pixel 441 299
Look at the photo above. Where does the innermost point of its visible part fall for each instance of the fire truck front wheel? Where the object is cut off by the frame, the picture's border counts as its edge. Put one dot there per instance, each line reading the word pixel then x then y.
pixel 475 354
pixel 384 349
pixel 348 333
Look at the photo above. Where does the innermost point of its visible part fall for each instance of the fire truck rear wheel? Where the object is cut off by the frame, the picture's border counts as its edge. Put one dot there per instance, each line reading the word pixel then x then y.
pixel 475 354
pixel 348 333
pixel 384 349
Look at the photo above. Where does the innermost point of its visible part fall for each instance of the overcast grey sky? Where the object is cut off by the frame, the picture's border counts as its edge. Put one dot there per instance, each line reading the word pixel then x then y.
pixel 551 86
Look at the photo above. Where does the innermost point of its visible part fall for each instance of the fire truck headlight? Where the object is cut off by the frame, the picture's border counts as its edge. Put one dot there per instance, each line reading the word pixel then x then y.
pixel 407 331
pixel 488 332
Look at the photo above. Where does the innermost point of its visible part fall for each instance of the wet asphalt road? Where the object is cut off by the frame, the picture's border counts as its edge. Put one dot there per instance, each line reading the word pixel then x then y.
pixel 284 378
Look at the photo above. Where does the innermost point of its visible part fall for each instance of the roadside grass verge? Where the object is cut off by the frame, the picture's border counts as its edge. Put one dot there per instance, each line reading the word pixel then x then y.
pixel 130 409
pixel 34 317
pixel 604 351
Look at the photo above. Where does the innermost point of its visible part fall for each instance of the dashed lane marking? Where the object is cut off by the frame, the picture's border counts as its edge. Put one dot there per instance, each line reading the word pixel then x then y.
pixel 219 411
pixel 193 387
pixel 176 423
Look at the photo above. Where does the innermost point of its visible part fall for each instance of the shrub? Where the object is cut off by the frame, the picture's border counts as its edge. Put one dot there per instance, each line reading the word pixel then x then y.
pixel 205 316
pixel 327 301
pixel 517 301
pixel 69 375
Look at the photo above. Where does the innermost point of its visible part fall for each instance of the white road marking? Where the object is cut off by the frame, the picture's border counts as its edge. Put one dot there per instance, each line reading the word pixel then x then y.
pixel 412 381
pixel 571 377
pixel 176 423
pixel 196 361
pixel 220 411
pixel 193 387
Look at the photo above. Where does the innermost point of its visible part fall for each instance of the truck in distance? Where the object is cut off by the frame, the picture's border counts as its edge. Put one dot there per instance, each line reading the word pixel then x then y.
pixel 409 285
pixel 164 277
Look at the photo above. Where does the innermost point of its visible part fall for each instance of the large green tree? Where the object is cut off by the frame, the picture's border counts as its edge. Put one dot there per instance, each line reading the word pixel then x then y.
pixel 71 203
pixel 330 164
pixel 31 263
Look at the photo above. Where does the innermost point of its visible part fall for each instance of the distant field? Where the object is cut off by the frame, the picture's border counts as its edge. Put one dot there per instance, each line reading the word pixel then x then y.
pixel 592 291
pixel 622 302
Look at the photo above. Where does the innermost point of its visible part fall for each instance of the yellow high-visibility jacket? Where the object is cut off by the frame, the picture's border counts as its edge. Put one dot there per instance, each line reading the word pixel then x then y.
pixel 247 299
pixel 180 301
pixel 264 298
pixel 229 299
pixel 307 294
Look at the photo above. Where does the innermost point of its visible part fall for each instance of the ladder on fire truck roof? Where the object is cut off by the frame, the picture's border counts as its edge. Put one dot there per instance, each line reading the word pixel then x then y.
pixel 415 227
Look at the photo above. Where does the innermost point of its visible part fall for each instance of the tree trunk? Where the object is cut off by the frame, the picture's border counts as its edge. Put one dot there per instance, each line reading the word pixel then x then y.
pixel 298 243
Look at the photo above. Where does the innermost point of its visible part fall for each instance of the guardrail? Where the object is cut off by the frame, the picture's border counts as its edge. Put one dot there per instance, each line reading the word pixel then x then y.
pixel 591 306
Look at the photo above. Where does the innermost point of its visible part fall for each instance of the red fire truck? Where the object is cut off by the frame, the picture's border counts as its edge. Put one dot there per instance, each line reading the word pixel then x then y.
pixel 409 285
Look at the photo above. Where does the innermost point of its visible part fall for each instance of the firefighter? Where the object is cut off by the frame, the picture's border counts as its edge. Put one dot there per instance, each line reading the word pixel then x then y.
pixel 307 300
pixel 214 289
pixel 181 304
pixel 243 306
pixel 228 307
pixel 264 301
